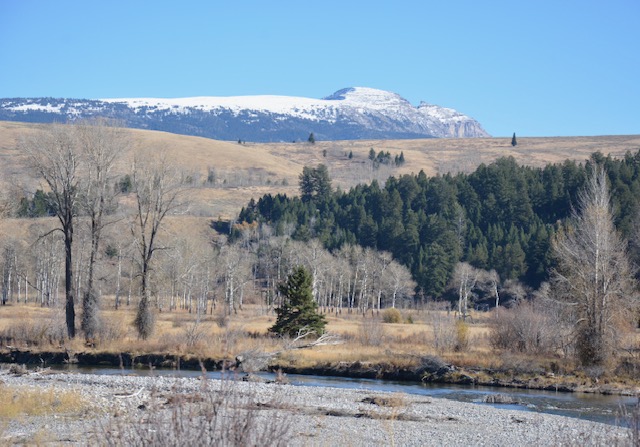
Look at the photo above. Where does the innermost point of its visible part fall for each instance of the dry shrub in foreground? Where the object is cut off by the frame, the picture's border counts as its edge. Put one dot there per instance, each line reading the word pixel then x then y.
pixel 24 401
pixel 631 418
pixel 228 416
pixel 610 436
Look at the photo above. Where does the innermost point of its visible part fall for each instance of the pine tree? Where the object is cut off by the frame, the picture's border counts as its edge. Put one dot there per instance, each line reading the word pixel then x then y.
pixel 514 142
pixel 315 183
pixel 312 138
pixel 299 313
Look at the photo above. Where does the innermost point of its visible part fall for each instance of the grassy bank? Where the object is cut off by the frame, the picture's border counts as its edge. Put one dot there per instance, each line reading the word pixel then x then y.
pixel 428 345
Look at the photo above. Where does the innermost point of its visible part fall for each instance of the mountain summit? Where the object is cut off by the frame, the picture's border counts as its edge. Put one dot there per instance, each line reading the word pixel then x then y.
pixel 348 114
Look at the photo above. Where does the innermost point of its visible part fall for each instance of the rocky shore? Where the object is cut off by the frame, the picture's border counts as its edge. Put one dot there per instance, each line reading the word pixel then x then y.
pixel 430 370
pixel 164 410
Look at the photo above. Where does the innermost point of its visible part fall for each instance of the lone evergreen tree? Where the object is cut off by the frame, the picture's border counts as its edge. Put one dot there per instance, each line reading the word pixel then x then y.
pixel 315 183
pixel 514 142
pixel 299 311
pixel 312 138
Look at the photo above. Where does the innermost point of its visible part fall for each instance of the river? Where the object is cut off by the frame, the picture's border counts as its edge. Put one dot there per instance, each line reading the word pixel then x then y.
pixel 593 407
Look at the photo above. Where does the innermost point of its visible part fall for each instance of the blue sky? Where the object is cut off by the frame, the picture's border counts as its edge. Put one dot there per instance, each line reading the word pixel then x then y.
pixel 537 68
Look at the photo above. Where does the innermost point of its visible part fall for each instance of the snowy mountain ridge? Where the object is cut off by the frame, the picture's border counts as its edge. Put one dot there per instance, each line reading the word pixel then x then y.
pixel 351 113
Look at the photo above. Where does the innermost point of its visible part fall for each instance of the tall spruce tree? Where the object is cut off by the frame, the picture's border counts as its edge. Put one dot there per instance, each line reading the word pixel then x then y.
pixel 315 183
pixel 514 142
pixel 299 313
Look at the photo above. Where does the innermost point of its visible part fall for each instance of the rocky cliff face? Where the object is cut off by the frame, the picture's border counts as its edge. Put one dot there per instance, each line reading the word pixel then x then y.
pixel 450 123
pixel 348 114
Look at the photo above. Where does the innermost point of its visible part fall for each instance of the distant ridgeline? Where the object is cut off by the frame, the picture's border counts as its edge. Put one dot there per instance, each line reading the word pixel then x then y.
pixel 348 114
pixel 502 216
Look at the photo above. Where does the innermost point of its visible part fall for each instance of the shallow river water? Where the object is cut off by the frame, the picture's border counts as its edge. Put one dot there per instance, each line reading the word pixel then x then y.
pixel 594 407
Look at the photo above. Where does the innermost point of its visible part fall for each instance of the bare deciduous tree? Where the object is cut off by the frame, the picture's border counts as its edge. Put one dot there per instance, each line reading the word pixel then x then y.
pixel 101 144
pixel 493 281
pixel 8 262
pixel 235 270
pixel 594 277
pixel 157 189
pixel 53 154
pixel 465 277
pixel 400 284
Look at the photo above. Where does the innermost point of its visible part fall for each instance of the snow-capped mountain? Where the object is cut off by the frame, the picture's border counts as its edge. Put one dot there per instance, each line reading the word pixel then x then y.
pixel 348 114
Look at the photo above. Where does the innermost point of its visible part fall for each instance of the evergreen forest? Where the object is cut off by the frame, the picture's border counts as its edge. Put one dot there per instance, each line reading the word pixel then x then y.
pixel 500 217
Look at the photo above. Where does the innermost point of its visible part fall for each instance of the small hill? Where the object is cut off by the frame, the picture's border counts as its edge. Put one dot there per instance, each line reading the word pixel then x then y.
pixel 225 175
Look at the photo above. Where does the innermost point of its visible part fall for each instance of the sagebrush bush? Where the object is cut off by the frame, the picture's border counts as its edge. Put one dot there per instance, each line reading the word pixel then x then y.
pixel 392 315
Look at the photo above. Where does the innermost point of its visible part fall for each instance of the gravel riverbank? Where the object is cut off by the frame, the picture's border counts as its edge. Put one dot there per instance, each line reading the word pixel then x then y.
pixel 119 408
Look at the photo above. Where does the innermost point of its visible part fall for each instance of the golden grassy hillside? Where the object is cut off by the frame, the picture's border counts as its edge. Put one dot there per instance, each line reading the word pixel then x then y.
pixel 243 171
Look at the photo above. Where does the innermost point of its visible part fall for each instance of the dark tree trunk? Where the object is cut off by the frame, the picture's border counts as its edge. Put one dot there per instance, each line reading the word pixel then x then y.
pixel 144 317
pixel 90 317
pixel 68 281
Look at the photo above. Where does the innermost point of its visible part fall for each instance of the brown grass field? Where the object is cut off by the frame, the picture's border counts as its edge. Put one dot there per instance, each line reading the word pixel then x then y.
pixel 250 170
pixel 253 169
pixel 362 338
pixel 365 341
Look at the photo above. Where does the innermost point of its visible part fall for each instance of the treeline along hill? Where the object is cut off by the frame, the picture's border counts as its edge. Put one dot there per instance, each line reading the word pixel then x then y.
pixel 502 217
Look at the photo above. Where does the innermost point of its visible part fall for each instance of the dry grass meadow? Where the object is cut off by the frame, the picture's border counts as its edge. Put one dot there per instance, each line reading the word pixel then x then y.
pixel 364 339
pixel 362 343
pixel 250 170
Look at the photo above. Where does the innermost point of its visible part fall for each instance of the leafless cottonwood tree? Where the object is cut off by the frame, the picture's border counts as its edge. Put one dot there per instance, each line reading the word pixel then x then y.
pixel 594 277
pixel 54 156
pixel 101 144
pixel 465 277
pixel 399 282
pixel 234 266
pixel 8 261
pixel 492 280
pixel 158 192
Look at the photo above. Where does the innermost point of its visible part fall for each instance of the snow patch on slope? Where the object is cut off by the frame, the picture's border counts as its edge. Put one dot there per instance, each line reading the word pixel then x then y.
pixel 305 108
pixel 350 113
pixel 362 99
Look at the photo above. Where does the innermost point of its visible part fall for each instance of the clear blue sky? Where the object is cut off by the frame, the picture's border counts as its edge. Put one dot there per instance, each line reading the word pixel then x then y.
pixel 538 68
